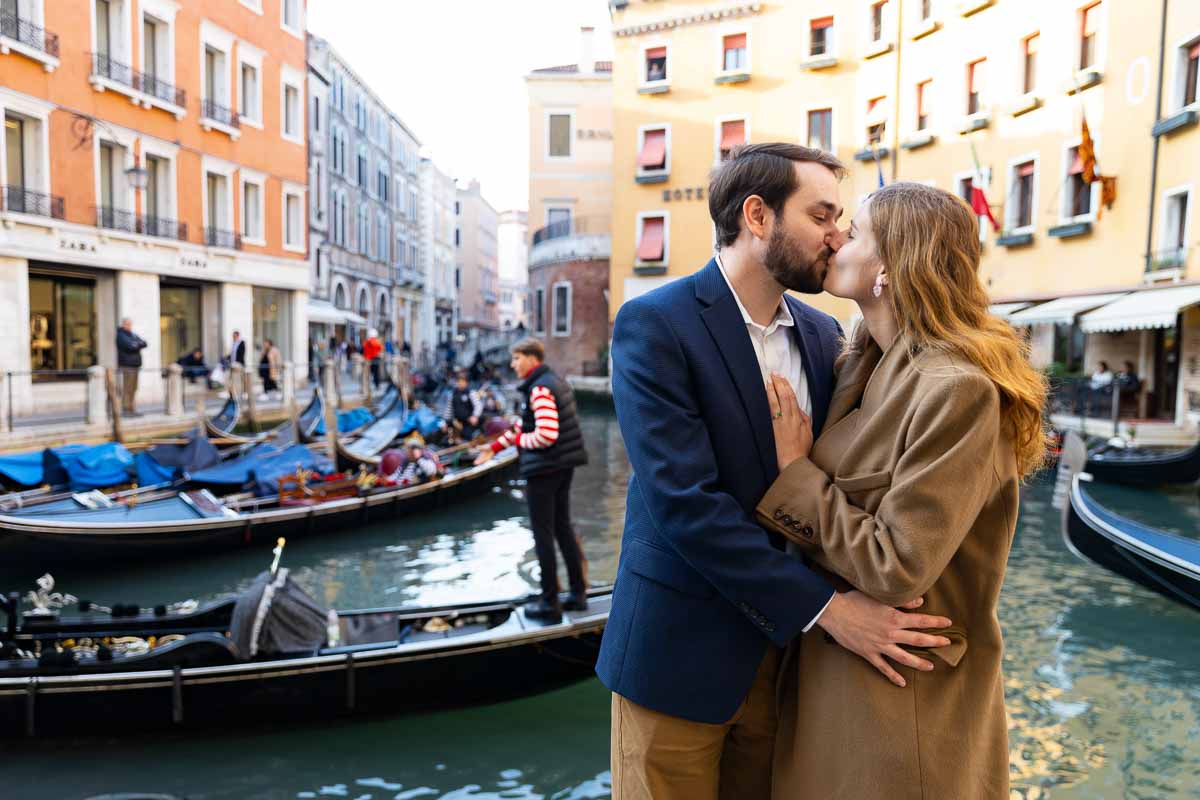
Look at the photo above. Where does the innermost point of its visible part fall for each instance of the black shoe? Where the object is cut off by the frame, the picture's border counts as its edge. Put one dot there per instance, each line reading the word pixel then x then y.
pixel 576 602
pixel 544 611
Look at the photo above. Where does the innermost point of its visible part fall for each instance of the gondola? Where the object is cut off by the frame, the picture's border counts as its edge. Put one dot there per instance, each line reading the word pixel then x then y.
pixel 223 423
pixel 301 429
pixel 273 655
pixel 1160 561
pixel 195 520
pixel 1137 466
pixel 365 449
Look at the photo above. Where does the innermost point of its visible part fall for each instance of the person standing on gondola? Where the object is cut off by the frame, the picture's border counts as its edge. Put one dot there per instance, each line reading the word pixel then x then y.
pixel 466 409
pixel 551 446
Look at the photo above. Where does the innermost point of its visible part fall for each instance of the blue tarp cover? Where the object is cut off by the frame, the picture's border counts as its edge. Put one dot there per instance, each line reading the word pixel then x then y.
pixel 262 466
pixel 422 420
pixel 166 462
pixel 99 467
pixel 350 420
pixel 23 469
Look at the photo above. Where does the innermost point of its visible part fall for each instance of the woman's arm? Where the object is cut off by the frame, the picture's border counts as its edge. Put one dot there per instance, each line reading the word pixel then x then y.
pixel 938 487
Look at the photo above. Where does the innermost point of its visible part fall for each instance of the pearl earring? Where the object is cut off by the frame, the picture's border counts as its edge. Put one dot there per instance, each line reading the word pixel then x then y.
pixel 880 282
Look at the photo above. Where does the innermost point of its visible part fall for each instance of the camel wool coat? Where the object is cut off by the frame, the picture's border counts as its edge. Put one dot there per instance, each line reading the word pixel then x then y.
pixel 910 491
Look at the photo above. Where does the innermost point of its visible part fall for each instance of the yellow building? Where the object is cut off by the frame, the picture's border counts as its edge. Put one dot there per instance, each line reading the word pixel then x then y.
pixel 990 92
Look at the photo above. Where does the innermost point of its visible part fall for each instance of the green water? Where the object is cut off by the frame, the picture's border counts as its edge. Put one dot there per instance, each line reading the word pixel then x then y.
pixel 1103 677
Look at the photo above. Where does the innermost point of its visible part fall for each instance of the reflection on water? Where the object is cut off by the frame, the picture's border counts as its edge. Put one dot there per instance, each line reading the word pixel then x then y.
pixel 1103 677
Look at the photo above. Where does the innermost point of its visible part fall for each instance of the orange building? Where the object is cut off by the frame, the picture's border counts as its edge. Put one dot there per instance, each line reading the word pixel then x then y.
pixel 153 167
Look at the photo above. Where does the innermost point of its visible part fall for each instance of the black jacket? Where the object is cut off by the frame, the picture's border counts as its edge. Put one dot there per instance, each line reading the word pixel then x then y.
pixel 239 352
pixel 567 451
pixel 129 348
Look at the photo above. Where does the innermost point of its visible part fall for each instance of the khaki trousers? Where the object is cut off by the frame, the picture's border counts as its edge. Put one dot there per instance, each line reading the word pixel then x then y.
pixel 129 384
pixel 656 756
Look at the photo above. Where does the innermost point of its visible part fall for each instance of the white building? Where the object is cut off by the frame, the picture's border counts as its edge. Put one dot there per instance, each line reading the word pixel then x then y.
pixel 440 322
pixel 513 257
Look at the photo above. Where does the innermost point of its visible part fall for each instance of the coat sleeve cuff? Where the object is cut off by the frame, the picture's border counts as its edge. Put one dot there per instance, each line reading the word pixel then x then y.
pixel 790 506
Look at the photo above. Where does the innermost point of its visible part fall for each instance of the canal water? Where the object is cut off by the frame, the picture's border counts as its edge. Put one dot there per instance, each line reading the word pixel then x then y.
pixel 1103 677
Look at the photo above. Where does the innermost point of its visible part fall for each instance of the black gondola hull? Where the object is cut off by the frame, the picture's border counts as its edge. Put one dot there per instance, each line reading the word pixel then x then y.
pixel 397 680
pixel 1146 468
pixel 1091 539
pixel 48 545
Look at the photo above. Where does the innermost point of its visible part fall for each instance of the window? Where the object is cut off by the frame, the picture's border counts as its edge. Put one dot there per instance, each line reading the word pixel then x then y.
pixel 290 13
pixel 877 111
pixel 293 219
pixel 110 172
pixel 252 209
pixel 1089 20
pixel 291 108
pixel 339 92
pixel 730 134
pixel 339 150
pixel 820 129
pixel 382 181
pixel 652 238
pixel 735 55
pixel 965 183
pixel 1077 199
pixel 820 37
pixel 558 134
pixel 271 312
pixel 362 167
pixel 152 43
pixel 655 65
pixel 158 190
pixel 1190 70
pixel 558 222
pixel 218 206
pixel 539 304
pixel 653 151
pixel 561 314
pixel 976 71
pixel 215 90
pixel 62 324
pixel 381 238
pixel 876 21
pixel 925 10
pixel 362 233
pixel 316 113
pixel 341 219
pixel 1029 50
pixel 1022 179
pixel 924 102
pixel 1175 225
pixel 250 94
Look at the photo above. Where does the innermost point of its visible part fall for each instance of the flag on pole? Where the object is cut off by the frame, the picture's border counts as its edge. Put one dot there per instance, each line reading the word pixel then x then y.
pixel 1087 155
pixel 979 202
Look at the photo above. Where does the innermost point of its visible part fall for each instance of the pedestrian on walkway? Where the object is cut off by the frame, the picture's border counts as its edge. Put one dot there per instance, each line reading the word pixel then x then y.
pixel 371 350
pixel 269 368
pixel 551 447
pixel 129 360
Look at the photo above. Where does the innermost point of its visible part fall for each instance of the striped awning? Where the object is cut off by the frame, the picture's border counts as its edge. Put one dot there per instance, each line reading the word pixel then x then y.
pixel 1004 310
pixel 1152 308
pixel 1063 310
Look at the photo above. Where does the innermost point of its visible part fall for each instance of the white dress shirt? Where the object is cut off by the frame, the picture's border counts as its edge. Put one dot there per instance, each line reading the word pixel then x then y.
pixel 776 349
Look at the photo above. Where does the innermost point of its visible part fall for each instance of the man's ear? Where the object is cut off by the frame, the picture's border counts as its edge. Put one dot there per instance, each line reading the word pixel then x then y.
pixel 754 216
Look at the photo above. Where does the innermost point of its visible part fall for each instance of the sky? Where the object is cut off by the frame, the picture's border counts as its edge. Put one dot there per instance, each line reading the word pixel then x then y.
pixel 454 70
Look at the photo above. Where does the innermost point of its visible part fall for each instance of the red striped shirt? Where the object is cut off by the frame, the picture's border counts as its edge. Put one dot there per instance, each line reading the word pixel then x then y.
pixel 545 431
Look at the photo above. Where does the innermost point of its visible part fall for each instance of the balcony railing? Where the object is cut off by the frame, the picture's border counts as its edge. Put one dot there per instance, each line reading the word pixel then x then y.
pixel 576 226
pixel 117 219
pixel 20 200
pixel 219 113
pixel 157 88
pixel 216 237
pixel 28 34
pixel 1171 258
pixel 105 66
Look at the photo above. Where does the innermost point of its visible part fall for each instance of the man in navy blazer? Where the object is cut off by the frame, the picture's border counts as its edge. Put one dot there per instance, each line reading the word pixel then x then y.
pixel 706 599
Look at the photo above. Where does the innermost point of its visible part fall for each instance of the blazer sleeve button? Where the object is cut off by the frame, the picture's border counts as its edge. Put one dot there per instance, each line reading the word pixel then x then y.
pixel 778 513
pixel 807 531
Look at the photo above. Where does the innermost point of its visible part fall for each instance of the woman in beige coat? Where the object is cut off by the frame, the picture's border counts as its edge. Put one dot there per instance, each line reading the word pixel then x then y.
pixel 910 492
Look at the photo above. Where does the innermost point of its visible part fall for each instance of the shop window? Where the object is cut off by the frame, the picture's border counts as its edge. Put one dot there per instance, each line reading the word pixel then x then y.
pixel 180 319
pixel 272 320
pixel 62 327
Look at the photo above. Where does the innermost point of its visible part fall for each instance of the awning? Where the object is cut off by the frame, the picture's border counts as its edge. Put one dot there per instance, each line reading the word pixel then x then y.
pixel 322 312
pixel 1003 310
pixel 654 149
pixel 1063 310
pixel 1152 308
pixel 733 133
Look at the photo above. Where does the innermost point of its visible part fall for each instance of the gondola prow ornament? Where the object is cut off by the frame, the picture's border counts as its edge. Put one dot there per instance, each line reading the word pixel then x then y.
pixel 47 602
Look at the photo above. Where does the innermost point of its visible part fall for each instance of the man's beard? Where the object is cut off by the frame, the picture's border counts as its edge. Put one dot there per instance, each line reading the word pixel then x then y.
pixel 788 265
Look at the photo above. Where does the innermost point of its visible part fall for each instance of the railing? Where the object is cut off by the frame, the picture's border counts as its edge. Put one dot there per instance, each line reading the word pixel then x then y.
pixel 219 113
pixel 106 66
pixel 573 227
pixel 216 237
pixel 28 34
pixel 1076 397
pixel 20 200
pixel 1171 258
pixel 158 88
pixel 121 220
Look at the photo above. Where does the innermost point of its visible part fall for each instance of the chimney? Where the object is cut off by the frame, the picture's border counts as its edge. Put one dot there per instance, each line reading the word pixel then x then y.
pixel 587 50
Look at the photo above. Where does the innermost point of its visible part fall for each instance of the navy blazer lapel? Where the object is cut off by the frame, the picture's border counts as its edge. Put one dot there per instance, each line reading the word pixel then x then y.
pixel 724 322
pixel 808 338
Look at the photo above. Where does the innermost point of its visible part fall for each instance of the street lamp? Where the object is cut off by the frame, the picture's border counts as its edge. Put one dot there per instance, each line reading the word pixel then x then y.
pixel 137 175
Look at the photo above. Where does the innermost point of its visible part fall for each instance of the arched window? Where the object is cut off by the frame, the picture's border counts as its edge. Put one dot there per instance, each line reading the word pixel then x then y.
pixel 364 304
pixel 339 297
pixel 381 238
pixel 362 239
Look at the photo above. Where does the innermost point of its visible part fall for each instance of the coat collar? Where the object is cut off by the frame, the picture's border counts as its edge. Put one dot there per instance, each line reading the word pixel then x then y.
pixel 534 374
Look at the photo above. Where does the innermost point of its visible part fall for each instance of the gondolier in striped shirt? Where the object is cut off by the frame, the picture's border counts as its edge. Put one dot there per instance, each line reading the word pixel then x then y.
pixel 551 447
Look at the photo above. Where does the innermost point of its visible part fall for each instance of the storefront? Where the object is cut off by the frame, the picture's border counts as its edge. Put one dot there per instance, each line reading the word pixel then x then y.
pixel 181 320
pixel 62 325
pixel 272 320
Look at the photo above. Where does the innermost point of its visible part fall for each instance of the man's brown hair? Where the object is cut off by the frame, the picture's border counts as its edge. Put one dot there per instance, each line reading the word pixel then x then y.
pixel 759 169
pixel 529 346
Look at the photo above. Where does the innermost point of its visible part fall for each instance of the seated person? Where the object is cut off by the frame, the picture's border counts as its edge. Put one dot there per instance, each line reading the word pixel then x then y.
pixel 1102 378
pixel 411 466
pixel 194 367
pixel 1127 378
pixel 466 409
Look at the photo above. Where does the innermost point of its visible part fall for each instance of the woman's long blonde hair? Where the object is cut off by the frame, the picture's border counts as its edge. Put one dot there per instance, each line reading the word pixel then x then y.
pixel 929 240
